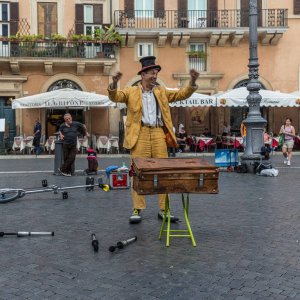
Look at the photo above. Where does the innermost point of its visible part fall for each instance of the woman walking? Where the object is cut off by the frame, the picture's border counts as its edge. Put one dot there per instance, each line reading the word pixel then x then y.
pixel 287 147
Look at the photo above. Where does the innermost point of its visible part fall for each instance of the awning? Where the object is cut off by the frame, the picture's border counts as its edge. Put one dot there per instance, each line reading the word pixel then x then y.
pixel 196 100
pixel 237 97
pixel 63 98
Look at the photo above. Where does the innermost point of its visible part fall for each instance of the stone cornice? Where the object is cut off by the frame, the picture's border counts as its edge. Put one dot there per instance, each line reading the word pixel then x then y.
pixel 13 78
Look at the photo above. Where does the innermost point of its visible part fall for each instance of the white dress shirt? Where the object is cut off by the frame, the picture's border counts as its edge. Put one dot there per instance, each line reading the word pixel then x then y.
pixel 149 110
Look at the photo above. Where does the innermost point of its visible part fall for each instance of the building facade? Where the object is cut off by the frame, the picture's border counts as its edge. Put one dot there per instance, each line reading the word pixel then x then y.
pixel 208 35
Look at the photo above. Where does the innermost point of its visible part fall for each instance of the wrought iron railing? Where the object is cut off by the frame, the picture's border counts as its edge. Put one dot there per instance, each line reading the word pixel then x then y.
pixel 56 49
pixel 197 63
pixel 194 19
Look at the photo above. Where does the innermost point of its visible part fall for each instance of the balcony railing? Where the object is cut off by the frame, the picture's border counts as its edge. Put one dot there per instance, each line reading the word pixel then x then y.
pixel 56 49
pixel 195 19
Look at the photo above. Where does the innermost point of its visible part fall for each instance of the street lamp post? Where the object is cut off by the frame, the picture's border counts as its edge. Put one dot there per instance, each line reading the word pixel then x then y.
pixel 254 122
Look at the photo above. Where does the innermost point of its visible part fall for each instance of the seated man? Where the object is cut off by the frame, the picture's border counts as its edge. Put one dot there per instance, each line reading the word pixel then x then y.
pixel 206 132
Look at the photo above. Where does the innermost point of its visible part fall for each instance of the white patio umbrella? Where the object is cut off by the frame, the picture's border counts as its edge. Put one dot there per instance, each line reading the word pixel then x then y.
pixel 237 97
pixel 62 98
pixel 196 100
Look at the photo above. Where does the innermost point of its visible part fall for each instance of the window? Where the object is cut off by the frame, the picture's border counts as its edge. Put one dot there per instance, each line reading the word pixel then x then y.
pixel 89 17
pixel 4 30
pixel 197 13
pixel 197 56
pixel 90 29
pixel 145 8
pixel 145 49
pixel 197 47
pixel 4 19
pixel 297 7
pixel 88 14
pixel 47 18
pixel 4 12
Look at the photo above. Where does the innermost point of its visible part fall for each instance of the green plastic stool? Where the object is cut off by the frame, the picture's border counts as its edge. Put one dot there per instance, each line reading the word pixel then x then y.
pixel 167 222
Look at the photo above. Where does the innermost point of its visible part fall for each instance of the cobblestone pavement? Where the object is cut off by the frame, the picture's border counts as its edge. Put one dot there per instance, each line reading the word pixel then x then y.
pixel 247 239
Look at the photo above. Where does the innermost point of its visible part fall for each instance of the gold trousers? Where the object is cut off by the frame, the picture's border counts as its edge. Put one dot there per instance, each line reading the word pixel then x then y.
pixel 151 143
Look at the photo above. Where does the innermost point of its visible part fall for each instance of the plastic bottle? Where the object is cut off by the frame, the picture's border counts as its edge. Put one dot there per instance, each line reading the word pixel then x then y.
pixel 124 167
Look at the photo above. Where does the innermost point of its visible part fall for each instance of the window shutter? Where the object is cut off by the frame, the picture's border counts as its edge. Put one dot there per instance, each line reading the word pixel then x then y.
pixel 79 27
pixel 159 8
pixel 297 7
pixel 129 8
pixel 245 13
pixel 259 13
pixel 182 13
pixel 212 5
pixel 14 18
pixel 129 5
pixel 98 13
pixel 212 13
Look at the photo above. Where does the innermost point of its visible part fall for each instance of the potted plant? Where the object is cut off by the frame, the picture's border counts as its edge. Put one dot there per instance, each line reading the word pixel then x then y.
pixel 197 54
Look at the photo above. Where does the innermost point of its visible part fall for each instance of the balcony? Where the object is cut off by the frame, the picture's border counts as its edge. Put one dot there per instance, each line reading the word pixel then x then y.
pixel 50 53
pixel 199 23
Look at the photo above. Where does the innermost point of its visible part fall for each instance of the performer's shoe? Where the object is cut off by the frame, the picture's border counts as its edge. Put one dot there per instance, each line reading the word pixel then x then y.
pixel 160 215
pixel 136 216
pixel 64 174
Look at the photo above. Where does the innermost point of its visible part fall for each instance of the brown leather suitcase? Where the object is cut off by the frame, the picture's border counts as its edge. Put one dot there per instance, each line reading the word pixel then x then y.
pixel 174 175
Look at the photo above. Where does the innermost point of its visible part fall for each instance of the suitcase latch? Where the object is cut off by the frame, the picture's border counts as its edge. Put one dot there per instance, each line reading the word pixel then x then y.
pixel 155 181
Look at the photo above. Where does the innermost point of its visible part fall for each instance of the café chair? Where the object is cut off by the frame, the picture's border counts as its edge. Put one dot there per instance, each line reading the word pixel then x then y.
pixel 94 141
pixel 199 146
pixel 29 144
pixel 82 144
pixel 227 142
pixel 211 144
pixel 50 144
pixel 18 145
pixel 114 144
pixel 103 144
pixel 42 142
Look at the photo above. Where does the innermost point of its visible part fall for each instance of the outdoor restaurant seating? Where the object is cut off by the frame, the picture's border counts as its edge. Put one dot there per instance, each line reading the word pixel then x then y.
pixel 18 145
pixel 50 144
pixel 82 144
pixel 28 144
pixel 113 144
pixel 102 144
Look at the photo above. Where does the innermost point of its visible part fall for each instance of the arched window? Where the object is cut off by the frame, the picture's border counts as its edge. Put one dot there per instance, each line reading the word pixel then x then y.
pixel 245 82
pixel 63 84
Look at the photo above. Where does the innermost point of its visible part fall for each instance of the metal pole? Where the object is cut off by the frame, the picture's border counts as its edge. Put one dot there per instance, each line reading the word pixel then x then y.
pixel 254 122
pixel 58 156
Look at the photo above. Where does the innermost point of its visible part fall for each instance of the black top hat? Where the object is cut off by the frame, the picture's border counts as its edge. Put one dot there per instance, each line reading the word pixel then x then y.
pixel 148 62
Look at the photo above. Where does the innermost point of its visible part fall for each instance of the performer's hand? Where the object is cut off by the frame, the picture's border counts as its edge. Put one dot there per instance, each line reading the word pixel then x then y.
pixel 117 77
pixel 61 136
pixel 194 76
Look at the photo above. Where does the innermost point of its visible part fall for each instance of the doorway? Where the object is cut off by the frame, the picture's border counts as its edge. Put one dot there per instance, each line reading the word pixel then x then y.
pixel 7 113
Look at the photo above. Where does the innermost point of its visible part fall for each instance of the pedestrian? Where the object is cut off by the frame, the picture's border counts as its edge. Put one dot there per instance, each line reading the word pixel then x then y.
pixel 37 133
pixel 148 121
pixel 289 133
pixel 68 133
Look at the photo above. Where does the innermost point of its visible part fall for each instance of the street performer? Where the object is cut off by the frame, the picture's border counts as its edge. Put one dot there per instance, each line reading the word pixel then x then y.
pixel 149 121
